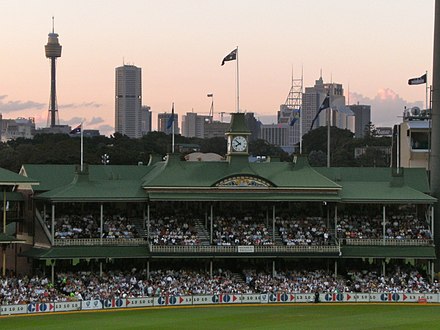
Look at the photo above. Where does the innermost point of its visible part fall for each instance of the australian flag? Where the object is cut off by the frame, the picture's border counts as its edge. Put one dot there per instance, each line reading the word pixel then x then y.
pixel 230 57
pixel 296 113
pixel 325 105
pixel 170 119
pixel 76 130
pixel 418 80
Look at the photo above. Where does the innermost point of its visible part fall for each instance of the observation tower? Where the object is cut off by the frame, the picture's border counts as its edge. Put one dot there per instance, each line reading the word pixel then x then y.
pixel 53 50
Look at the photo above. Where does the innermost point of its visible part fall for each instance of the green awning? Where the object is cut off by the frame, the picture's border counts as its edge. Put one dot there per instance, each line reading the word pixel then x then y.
pixel 417 252
pixel 86 252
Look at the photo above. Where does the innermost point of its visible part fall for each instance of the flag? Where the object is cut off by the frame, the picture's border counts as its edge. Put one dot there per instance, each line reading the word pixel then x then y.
pixel 325 105
pixel 296 113
pixel 170 119
pixel 76 130
pixel 230 57
pixel 417 81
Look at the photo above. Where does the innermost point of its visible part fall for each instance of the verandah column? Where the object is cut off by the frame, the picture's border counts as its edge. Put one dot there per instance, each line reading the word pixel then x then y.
pixel 52 226
pixel 211 227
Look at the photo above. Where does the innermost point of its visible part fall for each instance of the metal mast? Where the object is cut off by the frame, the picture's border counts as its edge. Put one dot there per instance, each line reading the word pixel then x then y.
pixel 53 50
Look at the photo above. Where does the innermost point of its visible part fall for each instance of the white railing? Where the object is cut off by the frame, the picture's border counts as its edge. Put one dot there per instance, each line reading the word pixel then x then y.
pixel 98 241
pixel 242 249
pixel 387 242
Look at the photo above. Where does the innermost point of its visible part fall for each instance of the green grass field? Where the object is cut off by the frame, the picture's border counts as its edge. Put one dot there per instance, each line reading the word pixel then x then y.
pixel 323 316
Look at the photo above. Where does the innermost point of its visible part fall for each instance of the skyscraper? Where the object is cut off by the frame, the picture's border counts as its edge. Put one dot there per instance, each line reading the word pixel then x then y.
pixel 362 115
pixel 146 119
pixel 128 101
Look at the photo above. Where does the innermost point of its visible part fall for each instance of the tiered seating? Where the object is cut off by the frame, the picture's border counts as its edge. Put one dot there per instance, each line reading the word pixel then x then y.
pixel 246 231
pixel 304 231
pixel 173 231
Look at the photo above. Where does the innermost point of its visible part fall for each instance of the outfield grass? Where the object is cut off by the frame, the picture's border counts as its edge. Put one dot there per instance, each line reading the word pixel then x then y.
pixel 323 316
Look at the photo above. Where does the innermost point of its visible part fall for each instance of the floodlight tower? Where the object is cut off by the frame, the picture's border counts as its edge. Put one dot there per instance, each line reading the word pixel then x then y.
pixel 53 50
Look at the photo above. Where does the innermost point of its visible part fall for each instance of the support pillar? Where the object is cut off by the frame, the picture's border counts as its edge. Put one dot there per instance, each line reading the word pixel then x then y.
pixel 100 268
pixel 101 223
pixel 336 268
pixel 274 271
pixel 273 223
pixel 148 269
pixel 52 226
pixel 211 226
pixel 210 269
pixel 148 222
pixel 52 273
pixel 383 224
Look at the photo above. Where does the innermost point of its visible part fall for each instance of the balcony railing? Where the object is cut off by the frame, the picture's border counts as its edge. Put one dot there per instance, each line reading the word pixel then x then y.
pixel 243 249
pixel 387 242
pixel 98 241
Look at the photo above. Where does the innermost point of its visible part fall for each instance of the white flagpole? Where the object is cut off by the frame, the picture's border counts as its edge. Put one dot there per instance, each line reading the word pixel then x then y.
pixel 426 88
pixel 82 148
pixel 238 85
pixel 328 129
pixel 172 130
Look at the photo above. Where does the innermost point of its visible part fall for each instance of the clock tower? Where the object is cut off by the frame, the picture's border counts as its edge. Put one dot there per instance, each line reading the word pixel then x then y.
pixel 238 137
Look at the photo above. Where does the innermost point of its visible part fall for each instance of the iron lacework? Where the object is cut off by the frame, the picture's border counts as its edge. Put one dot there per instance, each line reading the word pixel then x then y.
pixel 243 181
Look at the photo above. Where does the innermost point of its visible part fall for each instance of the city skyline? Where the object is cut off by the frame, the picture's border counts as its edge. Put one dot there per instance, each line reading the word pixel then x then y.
pixel 371 48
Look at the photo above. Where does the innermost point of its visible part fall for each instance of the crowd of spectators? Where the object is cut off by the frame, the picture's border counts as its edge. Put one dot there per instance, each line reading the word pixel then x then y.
pixel 173 231
pixel 405 226
pixel 87 226
pixel 74 286
pixel 304 231
pixel 246 231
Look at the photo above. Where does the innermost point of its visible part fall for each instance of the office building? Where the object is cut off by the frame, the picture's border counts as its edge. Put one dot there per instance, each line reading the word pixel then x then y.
pixel 193 125
pixel 128 101
pixel 362 114
pixel 146 120
pixel 162 123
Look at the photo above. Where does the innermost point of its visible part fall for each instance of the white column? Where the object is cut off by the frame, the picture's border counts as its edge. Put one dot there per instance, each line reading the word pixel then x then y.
pixel 52 227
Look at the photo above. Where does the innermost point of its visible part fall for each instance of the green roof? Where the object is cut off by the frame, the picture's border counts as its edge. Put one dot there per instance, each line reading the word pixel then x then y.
pixel 380 185
pixel 72 252
pixel 238 124
pixel 55 175
pixel 176 173
pixel 9 178
pixel 82 189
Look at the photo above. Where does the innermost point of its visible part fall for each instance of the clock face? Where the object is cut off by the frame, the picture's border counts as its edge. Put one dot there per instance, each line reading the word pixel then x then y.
pixel 239 143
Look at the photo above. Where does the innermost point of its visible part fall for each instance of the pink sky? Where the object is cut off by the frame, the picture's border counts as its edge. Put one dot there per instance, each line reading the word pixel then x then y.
pixel 373 46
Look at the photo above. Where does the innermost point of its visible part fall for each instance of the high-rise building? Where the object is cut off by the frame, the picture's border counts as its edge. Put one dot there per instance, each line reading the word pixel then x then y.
pixel 276 134
pixel 146 120
pixel 128 101
pixel 341 116
pixel 193 125
pixel 253 125
pixel 162 123
pixel 362 114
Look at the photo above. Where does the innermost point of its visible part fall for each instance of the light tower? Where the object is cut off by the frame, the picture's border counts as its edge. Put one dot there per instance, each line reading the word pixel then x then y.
pixel 53 50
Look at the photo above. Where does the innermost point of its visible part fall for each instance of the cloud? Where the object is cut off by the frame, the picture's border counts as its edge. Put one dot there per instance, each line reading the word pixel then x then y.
pixel 95 121
pixel 106 130
pixel 12 106
pixel 386 107
pixel 79 105
pixel 72 121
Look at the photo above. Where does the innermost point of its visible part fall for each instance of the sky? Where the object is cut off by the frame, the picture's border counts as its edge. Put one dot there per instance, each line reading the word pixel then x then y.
pixel 372 47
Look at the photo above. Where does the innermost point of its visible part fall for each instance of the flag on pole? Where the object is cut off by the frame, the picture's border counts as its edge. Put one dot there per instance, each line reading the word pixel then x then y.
pixel 76 130
pixel 171 118
pixel 418 80
pixel 325 105
pixel 230 57
pixel 296 113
